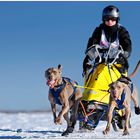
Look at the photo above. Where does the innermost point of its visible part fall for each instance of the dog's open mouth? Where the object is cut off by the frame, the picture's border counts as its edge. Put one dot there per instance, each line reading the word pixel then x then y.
pixel 51 83
pixel 115 97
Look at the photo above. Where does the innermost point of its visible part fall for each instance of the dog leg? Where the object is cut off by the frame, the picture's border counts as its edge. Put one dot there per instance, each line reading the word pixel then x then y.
pixel 127 115
pixel 65 107
pixel 74 111
pixel 53 107
pixel 129 125
pixel 70 123
pixel 109 117
pixel 135 98
pixel 73 117
pixel 114 125
pixel 66 117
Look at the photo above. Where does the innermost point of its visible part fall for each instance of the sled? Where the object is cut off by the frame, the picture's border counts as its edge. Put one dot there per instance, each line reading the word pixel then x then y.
pixel 95 100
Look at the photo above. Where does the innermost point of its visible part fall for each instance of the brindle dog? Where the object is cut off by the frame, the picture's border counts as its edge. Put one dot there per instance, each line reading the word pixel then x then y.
pixel 62 91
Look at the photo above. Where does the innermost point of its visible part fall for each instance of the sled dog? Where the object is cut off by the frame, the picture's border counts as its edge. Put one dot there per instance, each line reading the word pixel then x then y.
pixel 121 93
pixel 63 92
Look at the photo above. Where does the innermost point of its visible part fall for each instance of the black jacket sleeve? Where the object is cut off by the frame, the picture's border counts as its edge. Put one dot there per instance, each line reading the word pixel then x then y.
pixel 125 41
pixel 94 39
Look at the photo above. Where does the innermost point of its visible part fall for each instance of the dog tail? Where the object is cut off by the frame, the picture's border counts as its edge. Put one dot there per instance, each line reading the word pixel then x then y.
pixel 135 70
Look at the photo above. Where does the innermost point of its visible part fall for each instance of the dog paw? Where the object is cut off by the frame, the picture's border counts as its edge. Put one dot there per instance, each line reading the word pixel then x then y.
pixel 120 124
pixel 70 129
pixel 65 133
pixel 106 131
pixel 58 121
pixel 125 133
pixel 137 110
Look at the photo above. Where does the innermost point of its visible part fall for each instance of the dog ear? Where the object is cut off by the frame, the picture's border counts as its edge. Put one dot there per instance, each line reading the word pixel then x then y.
pixel 111 85
pixel 124 85
pixel 45 73
pixel 60 68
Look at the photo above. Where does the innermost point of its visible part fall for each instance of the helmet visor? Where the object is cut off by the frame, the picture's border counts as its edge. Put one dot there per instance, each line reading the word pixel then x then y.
pixel 107 18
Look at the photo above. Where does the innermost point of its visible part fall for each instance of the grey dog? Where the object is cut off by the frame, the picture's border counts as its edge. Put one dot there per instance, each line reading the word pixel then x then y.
pixel 63 92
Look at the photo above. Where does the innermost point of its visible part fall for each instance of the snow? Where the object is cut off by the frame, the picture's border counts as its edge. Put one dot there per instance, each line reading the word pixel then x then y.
pixel 41 126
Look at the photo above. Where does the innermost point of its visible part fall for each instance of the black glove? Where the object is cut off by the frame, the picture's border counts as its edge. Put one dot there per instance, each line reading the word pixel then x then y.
pixel 123 61
pixel 85 68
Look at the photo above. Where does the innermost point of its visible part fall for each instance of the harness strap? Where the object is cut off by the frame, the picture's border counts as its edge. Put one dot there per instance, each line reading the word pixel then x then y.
pixel 74 87
pixel 120 102
pixel 127 81
pixel 57 92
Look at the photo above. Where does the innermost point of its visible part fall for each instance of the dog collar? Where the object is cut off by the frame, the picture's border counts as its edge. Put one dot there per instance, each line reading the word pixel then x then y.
pixel 59 86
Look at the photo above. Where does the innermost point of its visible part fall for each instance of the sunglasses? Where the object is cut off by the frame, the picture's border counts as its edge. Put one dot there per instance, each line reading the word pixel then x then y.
pixel 110 18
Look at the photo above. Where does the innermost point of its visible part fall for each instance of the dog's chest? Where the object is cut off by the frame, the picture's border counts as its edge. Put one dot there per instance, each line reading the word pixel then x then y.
pixel 56 94
pixel 120 101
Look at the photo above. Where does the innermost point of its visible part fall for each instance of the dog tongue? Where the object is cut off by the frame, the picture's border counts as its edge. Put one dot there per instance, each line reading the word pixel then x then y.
pixel 51 83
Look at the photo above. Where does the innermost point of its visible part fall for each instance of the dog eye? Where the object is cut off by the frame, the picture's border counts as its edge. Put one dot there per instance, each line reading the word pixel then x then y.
pixel 118 87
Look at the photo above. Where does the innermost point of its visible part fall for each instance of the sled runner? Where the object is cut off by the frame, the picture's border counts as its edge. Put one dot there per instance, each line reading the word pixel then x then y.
pixel 94 104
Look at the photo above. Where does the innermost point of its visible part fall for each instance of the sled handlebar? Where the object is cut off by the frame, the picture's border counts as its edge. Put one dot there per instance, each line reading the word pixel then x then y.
pixel 96 51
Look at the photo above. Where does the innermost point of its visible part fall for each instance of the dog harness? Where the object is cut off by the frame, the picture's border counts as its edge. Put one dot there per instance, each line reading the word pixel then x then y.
pixel 57 92
pixel 120 101
pixel 127 81
pixel 131 86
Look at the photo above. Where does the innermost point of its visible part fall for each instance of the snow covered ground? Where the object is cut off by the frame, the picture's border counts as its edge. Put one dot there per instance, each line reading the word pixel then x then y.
pixel 41 126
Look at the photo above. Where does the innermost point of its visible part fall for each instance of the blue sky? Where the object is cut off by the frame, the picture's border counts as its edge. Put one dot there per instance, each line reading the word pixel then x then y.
pixel 37 35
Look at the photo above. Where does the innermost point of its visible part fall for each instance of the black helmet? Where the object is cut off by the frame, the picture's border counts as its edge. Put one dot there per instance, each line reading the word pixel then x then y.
pixel 110 11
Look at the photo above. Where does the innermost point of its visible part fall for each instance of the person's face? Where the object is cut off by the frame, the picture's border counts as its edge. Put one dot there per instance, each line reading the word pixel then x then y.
pixel 110 21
